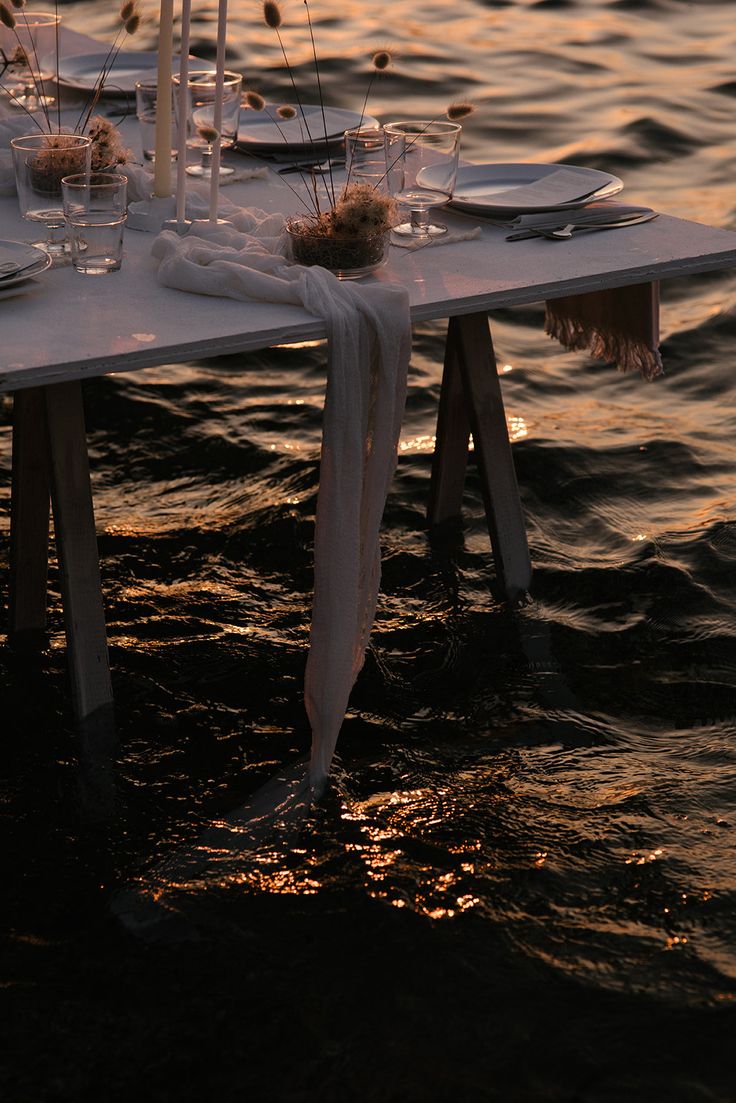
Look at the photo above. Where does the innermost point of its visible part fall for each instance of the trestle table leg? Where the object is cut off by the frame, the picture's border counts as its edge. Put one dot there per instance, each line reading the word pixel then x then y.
pixel 76 543
pixel 470 354
pixel 452 438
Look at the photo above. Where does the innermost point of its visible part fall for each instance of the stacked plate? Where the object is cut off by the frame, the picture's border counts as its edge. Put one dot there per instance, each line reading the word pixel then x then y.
pixel 503 190
pixel 263 133
pixel 82 71
pixel 20 262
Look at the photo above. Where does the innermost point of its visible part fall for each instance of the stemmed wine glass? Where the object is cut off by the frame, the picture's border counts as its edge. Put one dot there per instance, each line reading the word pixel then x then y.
pixel 200 123
pixel 40 162
pixel 34 37
pixel 422 159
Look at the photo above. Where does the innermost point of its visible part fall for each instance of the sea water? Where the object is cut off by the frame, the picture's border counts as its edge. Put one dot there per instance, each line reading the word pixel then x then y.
pixel 522 884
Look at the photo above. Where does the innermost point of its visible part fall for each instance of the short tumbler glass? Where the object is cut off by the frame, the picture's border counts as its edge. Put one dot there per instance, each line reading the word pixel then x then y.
pixel 95 212
pixel 365 157
pixel 146 98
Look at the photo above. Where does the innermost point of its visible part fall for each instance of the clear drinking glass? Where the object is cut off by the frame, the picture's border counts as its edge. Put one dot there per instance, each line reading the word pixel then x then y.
pixel 146 98
pixel 32 42
pixel 422 159
pixel 41 161
pixel 365 157
pixel 201 118
pixel 95 211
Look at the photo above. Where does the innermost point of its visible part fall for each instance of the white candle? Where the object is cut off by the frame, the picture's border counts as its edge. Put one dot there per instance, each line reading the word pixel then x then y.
pixel 181 168
pixel 162 164
pixel 219 92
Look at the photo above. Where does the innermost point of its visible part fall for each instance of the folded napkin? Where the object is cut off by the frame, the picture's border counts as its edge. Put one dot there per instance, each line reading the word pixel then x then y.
pixel 450 238
pixel 619 325
pixel 369 340
pixel 564 185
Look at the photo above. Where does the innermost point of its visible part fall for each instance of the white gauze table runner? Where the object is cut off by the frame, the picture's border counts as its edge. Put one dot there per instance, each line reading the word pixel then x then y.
pixel 369 341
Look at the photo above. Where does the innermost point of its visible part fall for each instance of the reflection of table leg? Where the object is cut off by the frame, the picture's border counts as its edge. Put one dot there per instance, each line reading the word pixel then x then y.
pixel 50 449
pixel 470 358
pixel 29 522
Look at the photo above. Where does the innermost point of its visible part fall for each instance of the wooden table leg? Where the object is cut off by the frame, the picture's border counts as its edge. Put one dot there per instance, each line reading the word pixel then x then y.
pixel 29 522
pixel 76 543
pixel 451 441
pixel 470 354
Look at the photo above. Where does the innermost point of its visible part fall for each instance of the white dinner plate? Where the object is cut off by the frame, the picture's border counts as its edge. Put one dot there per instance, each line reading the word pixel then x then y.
pixel 29 260
pixel 83 70
pixel 520 189
pixel 265 132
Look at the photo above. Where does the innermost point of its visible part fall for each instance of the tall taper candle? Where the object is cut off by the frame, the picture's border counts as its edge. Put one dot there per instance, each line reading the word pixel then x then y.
pixel 162 164
pixel 181 167
pixel 219 92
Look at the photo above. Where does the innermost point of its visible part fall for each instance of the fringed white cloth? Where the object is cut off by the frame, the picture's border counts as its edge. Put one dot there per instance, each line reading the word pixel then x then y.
pixel 618 325
pixel 369 343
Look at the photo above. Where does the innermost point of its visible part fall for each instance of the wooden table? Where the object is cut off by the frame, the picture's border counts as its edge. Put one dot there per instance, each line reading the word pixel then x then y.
pixel 73 328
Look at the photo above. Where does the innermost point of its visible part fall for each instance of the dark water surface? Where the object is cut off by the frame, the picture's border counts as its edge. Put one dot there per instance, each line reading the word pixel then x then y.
pixel 521 884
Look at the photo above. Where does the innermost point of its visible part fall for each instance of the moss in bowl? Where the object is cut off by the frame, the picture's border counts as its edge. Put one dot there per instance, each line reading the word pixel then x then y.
pixel 351 239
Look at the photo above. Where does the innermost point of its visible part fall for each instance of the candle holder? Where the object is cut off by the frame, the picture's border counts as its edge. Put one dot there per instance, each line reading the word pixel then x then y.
pixel 200 224
pixel 151 214
pixel 180 226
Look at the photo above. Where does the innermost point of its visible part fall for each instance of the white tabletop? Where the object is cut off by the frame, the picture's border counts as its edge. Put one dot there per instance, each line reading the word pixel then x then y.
pixel 75 326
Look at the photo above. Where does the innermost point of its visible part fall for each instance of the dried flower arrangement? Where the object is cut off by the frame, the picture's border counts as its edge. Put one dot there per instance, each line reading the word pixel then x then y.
pixel 352 232
pixel 340 231
pixel 107 145
pixel 48 166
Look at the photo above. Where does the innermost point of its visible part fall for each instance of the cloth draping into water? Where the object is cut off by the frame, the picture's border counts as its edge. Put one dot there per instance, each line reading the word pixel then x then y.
pixel 369 340
pixel 619 325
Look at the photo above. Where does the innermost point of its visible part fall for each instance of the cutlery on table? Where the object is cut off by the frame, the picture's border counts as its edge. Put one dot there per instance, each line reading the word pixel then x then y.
pixel 320 167
pixel 9 270
pixel 564 233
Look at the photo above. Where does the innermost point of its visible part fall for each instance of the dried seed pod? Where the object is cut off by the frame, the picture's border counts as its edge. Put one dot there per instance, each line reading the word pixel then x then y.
pixel 381 60
pixel 255 100
pixel 286 111
pixel 208 133
pixel 460 110
pixel 6 17
pixel 272 14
